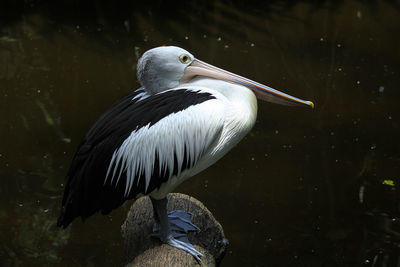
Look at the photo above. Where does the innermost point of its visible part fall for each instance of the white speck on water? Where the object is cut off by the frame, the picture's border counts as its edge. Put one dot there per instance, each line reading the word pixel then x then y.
pixel 226 46
pixel 339 69
pixel 339 45
pixel 186 37
pixel 359 14
pixel 381 89
pixel 373 146
pixel 66 140
pixel 390 117
pixel 358 82
pixel 127 25
pixel 321 39
pixel 219 39
pixel 276 131
pixel 361 194
pixel 253 158
pixel 252 44
pixel 204 35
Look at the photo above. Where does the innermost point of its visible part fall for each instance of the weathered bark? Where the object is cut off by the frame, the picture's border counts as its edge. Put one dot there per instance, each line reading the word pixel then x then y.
pixel 140 249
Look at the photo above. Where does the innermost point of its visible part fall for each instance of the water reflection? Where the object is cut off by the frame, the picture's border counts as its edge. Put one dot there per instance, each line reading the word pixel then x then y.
pixel 304 188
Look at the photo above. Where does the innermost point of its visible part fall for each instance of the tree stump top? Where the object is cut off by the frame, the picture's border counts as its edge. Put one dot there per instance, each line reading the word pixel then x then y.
pixel 140 249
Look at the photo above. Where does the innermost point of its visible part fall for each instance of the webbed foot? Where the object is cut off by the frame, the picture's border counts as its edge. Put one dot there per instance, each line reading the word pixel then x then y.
pixel 180 225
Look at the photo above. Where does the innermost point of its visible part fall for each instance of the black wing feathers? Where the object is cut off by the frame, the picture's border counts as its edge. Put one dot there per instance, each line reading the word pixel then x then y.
pixel 85 192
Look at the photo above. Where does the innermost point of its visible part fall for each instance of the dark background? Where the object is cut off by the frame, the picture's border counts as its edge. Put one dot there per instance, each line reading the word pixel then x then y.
pixel 304 188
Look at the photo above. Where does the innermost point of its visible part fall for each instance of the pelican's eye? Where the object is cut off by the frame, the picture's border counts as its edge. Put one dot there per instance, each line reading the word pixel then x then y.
pixel 185 59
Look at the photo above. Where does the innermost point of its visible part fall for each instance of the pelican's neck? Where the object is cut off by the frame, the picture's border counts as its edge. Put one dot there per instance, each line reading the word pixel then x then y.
pixel 240 108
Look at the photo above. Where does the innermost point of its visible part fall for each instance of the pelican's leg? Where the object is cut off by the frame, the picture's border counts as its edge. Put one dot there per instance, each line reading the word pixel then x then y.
pixel 172 228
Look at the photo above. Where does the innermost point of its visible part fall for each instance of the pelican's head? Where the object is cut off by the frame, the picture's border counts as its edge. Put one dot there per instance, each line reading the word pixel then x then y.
pixel 166 67
pixel 162 68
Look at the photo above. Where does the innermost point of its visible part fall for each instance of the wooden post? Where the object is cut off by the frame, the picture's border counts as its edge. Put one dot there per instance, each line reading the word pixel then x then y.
pixel 140 249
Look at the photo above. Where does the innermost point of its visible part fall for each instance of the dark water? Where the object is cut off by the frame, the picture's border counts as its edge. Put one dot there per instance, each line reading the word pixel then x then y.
pixel 304 188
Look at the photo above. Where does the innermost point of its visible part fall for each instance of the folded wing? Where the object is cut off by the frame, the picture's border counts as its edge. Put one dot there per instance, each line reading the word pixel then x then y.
pixel 137 145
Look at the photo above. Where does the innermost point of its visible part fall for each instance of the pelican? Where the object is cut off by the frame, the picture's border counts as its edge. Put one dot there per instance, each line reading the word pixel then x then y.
pixel 186 116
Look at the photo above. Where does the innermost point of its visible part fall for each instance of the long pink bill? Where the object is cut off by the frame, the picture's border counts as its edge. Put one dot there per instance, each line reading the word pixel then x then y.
pixel 200 68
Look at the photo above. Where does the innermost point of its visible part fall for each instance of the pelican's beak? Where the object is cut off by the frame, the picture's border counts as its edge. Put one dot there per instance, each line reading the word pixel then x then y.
pixel 200 68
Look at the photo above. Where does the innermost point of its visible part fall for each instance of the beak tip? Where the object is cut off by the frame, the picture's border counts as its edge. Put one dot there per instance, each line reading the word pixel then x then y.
pixel 311 104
